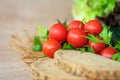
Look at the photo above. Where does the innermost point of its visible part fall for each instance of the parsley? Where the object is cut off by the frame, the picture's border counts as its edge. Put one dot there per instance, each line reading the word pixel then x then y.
pixel 106 35
pixel 116 56
pixel 67 46
pixel 37 44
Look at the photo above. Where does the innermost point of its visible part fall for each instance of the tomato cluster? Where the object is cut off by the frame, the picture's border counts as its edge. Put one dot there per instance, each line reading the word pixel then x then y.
pixel 76 34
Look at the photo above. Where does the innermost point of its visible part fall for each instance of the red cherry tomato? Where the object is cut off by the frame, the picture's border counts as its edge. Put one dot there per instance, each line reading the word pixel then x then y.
pixel 76 37
pixel 97 46
pixel 93 27
pixel 50 46
pixel 58 32
pixel 108 52
pixel 76 24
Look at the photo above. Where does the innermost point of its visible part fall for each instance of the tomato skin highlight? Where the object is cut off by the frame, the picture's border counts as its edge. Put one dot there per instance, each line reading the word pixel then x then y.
pixel 50 46
pixel 97 46
pixel 108 52
pixel 76 24
pixel 76 37
pixel 93 27
pixel 58 32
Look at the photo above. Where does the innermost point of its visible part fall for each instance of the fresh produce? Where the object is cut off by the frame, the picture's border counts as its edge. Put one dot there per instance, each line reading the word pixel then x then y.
pixel 97 46
pixel 116 57
pixel 113 18
pixel 107 11
pixel 89 37
pixel 93 27
pixel 76 37
pixel 108 52
pixel 50 46
pixel 58 32
pixel 37 44
pixel 76 24
pixel 86 10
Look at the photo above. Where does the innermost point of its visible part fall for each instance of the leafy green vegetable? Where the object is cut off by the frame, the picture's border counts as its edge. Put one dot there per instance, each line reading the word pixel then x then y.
pixel 67 46
pixel 83 49
pixel 90 49
pixel 118 59
pixel 36 40
pixel 116 56
pixel 88 9
pixel 117 45
pixel 36 48
pixel 42 32
pixel 92 38
pixel 37 44
pixel 106 35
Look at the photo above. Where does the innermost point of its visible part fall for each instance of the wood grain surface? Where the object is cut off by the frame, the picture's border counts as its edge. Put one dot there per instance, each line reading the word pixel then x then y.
pixel 18 14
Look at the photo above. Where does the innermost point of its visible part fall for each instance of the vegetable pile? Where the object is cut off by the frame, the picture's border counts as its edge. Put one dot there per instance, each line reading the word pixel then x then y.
pixel 107 11
pixel 91 36
pixel 93 8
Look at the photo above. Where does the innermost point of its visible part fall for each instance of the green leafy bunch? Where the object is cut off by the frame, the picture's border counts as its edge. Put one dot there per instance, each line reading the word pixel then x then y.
pixel 42 34
pixel 88 9
pixel 117 55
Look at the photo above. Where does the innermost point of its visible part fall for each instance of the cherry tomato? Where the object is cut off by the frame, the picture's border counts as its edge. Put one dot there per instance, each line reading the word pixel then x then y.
pixel 76 24
pixel 108 52
pixel 58 32
pixel 50 46
pixel 93 27
pixel 76 37
pixel 97 46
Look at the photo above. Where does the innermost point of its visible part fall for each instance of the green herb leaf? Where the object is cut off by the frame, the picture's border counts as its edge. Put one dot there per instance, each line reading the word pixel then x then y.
pixel 92 38
pixel 67 46
pixel 106 35
pixel 116 56
pixel 42 32
pixel 118 59
pixel 36 40
pixel 82 49
pixel 37 48
pixel 90 49
pixel 37 44
pixel 117 45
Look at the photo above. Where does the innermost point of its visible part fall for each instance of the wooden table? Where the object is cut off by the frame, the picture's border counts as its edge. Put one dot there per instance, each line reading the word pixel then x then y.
pixel 17 14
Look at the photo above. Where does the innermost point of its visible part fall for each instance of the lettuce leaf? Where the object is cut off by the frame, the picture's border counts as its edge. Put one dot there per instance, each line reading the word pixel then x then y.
pixel 88 9
pixel 42 32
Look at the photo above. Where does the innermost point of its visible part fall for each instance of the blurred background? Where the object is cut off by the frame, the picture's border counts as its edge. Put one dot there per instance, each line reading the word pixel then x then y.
pixel 15 15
